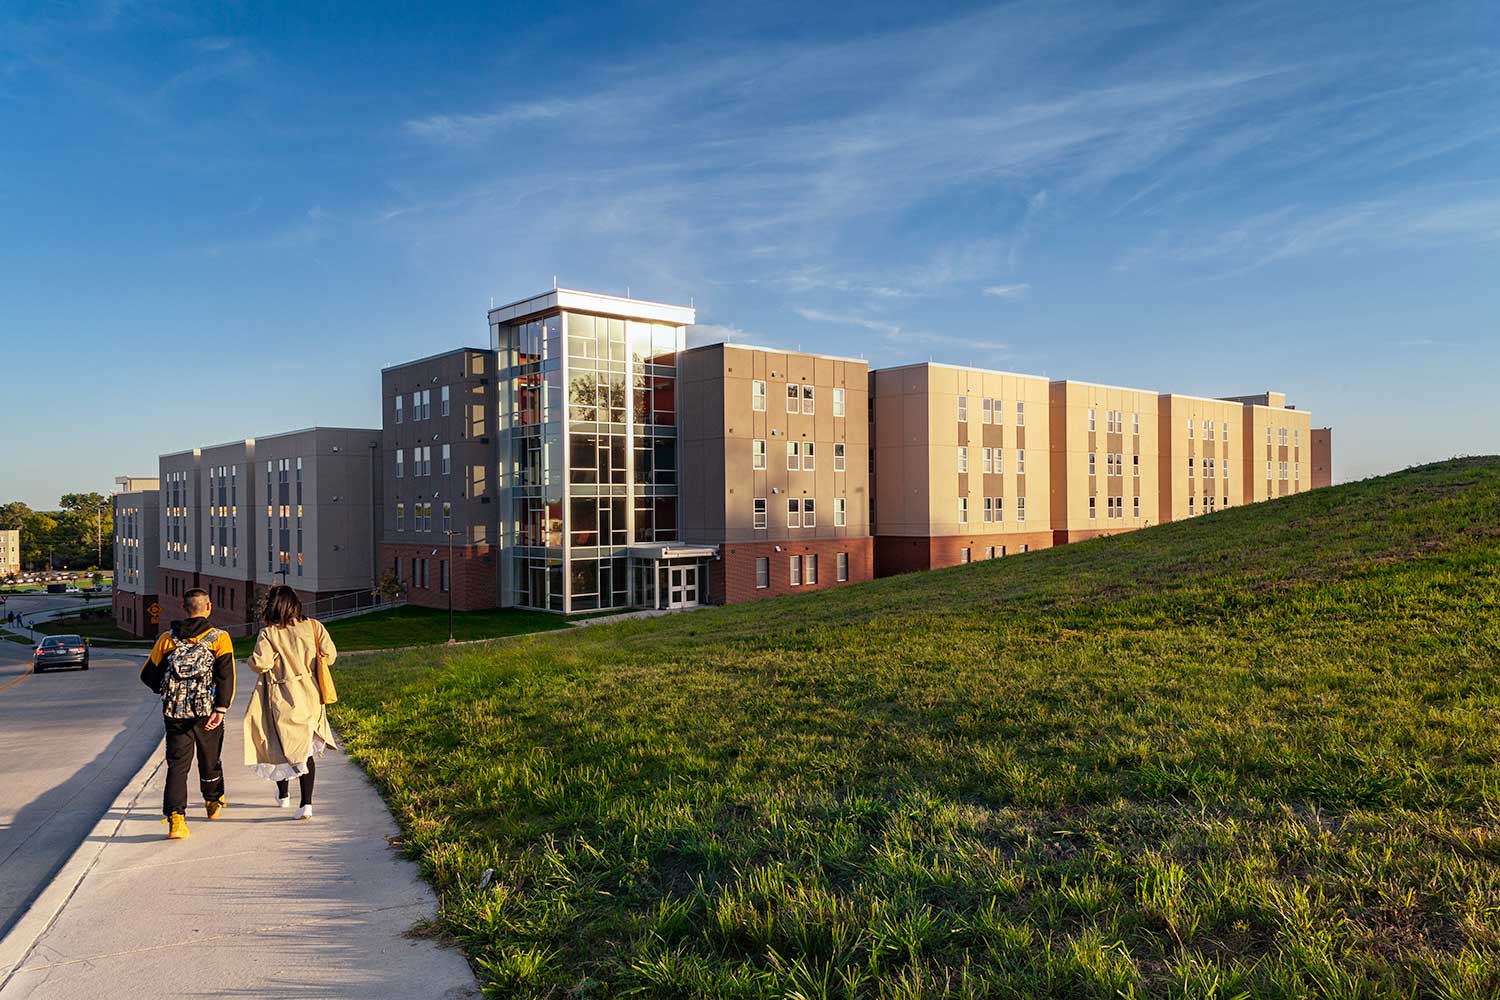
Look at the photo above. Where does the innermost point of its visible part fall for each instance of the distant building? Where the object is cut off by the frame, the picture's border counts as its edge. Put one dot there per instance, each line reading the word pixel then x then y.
pixel 136 555
pixel 1106 459
pixel 10 551
pixel 300 508
pixel 1203 444
pixel 1322 457
pixel 1277 452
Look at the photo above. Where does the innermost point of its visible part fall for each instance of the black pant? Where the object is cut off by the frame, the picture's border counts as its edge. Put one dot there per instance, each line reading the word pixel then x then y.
pixel 304 782
pixel 183 735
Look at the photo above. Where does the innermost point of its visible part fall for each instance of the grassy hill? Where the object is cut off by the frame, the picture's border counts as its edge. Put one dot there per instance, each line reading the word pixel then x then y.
pixel 1250 754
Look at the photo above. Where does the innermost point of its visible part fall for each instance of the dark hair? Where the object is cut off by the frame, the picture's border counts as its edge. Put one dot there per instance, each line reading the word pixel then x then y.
pixel 283 606
pixel 192 597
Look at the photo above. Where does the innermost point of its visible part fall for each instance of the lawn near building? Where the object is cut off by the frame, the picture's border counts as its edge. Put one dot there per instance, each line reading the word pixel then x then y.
pixel 1249 754
pixel 410 625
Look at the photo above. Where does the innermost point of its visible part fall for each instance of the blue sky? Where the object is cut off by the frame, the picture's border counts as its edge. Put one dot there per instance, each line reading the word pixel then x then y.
pixel 220 220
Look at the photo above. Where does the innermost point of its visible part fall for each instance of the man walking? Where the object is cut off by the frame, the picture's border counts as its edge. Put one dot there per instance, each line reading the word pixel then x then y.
pixel 192 668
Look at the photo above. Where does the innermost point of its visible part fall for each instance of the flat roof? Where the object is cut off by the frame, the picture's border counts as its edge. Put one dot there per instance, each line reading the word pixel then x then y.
pixel 1204 399
pixel 440 354
pixel 777 350
pixel 558 299
pixel 962 368
pixel 1101 385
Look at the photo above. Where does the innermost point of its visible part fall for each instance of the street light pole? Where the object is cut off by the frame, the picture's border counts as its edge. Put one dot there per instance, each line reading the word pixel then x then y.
pixel 450 533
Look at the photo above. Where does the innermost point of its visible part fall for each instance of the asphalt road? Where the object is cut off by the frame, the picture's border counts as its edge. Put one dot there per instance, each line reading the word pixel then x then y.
pixel 69 740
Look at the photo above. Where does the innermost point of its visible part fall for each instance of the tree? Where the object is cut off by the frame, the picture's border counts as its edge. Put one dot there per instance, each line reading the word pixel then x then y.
pixel 92 506
pixel 13 515
pixel 388 587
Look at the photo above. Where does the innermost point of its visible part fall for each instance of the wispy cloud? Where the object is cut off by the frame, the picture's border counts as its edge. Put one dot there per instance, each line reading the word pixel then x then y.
pixel 1008 291
pixel 899 335
pixel 716 333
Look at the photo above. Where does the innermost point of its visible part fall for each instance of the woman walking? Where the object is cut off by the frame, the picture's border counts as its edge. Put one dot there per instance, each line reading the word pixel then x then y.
pixel 286 725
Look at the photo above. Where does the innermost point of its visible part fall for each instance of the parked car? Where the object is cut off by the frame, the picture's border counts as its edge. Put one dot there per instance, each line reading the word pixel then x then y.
pixel 72 590
pixel 61 651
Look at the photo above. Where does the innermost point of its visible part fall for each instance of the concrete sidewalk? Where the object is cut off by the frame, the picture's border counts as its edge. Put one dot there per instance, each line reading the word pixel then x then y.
pixel 254 904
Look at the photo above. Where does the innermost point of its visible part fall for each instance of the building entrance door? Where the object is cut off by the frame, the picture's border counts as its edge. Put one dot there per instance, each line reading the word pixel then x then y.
pixel 684 588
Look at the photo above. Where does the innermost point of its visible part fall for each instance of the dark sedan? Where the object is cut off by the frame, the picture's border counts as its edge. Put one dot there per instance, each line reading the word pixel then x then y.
pixel 61 651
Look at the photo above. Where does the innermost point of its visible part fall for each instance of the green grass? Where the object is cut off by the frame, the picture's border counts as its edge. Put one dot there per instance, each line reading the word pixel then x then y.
pixel 410 625
pixel 1253 754
pixel 99 628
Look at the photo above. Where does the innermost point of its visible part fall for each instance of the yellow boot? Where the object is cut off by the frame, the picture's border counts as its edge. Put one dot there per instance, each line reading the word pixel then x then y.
pixel 212 806
pixel 178 827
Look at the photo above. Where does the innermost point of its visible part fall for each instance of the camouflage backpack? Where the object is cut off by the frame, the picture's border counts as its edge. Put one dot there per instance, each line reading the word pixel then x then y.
pixel 187 687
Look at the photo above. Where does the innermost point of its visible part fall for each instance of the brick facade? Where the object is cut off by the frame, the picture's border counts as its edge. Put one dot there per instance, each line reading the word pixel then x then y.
pixel 900 554
pixel 731 579
pixel 1084 535
pixel 475 574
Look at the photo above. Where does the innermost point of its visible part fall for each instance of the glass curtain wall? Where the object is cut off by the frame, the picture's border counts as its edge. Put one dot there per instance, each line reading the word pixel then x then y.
pixel 593 397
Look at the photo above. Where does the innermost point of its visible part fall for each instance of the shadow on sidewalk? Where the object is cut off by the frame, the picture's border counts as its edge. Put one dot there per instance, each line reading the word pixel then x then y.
pixel 32 821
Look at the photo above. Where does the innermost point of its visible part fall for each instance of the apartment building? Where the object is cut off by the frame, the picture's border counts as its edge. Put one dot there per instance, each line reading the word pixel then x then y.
pixel 1202 447
pixel 440 473
pixel 774 477
pixel 1278 447
pixel 1105 455
pixel 10 551
pixel 961 465
pixel 136 544
pixel 299 508
pixel 1322 457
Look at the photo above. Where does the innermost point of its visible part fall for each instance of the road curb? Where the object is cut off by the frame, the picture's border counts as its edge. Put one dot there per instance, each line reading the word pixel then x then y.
pixel 16 946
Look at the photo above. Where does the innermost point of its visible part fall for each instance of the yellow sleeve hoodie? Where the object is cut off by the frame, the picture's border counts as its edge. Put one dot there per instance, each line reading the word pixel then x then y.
pixel 154 671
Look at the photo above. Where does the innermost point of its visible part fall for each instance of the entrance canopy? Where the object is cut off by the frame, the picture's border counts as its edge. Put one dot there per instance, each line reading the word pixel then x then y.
pixel 670 551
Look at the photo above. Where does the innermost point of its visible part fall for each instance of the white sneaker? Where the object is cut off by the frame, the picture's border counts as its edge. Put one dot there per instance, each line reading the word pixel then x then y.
pixel 304 812
pixel 284 803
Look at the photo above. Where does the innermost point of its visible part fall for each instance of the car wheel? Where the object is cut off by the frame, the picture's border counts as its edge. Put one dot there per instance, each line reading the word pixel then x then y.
pixel 85 664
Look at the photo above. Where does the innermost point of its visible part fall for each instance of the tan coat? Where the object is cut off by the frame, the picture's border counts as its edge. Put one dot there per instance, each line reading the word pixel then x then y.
pixel 285 709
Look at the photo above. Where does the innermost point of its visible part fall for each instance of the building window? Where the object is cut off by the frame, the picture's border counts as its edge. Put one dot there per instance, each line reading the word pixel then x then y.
pixel 1135 464
pixel 809 515
pixel 1135 422
pixel 1190 428
pixel 1297 471
pixel 1092 512
pixel 447 459
pixel 400 463
pixel 400 516
pixel 963 459
pixel 398 410
pixel 793 398
pixel 1190 468
pixel 793 456
pixel 1020 461
pixel 762 572
pixel 443 575
pixel 1296 438
pixel 963 409
pixel 793 513
pixel 999 509
pixel 809 458
pixel 999 412
pixel 1091 463
pixel 999 459
pixel 1190 506
pixel 1020 508
pixel 443 407
pixel 838 458
pixel 989 510
pixel 963 510
pixel 1091 418
pixel 964 554
pixel 1268 467
pixel 807 399
pixel 758 395
pixel 989 552
pixel 838 402
pixel 426 404
pixel 1137 507
pixel 760 512
pixel 810 564
pixel 758 453
pixel 796 574
pixel 841 566
pixel 840 512
pixel 1020 413
pixel 987 460
pixel 1208 430
pixel 986 411
pixel 447 516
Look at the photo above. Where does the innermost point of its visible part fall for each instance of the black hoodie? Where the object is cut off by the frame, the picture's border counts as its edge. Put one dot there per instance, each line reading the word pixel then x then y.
pixel 188 629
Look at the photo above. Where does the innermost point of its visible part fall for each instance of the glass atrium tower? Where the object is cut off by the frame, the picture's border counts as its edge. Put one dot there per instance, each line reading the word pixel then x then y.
pixel 588 453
